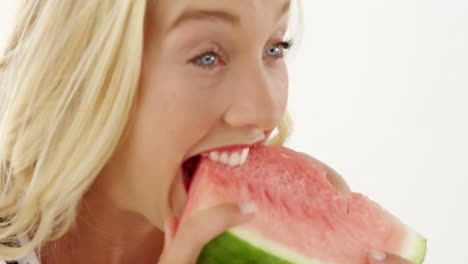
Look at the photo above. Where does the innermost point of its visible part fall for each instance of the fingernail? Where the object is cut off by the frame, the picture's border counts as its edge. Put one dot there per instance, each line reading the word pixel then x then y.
pixel 378 255
pixel 248 208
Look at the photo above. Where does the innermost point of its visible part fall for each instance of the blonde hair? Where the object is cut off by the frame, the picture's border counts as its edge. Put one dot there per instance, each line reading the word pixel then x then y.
pixel 68 80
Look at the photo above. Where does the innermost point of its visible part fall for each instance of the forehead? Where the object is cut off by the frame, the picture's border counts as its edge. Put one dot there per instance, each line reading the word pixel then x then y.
pixel 170 13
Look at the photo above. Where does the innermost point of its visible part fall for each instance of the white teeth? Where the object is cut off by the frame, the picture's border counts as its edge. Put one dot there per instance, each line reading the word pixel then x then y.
pixel 244 155
pixel 224 158
pixel 232 159
pixel 214 156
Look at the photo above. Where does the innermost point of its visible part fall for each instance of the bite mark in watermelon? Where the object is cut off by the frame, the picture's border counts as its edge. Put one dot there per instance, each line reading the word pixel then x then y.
pixel 301 217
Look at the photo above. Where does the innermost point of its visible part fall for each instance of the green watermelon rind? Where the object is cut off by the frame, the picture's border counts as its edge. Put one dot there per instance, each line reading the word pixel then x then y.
pixel 239 246
pixel 414 248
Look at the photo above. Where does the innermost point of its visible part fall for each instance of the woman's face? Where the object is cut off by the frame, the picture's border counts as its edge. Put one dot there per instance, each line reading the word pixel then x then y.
pixel 213 78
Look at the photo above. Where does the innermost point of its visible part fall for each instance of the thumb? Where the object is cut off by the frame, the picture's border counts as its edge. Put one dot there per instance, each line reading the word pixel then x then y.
pixel 170 227
pixel 196 231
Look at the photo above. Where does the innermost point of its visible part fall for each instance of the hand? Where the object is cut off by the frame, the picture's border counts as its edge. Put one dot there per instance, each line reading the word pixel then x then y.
pixel 185 246
pixel 377 257
pixel 199 229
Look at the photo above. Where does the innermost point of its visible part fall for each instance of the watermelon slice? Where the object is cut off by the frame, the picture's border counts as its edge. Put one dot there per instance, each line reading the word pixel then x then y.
pixel 301 217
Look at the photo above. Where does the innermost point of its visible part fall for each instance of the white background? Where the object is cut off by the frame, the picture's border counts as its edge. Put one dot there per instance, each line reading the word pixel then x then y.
pixel 379 90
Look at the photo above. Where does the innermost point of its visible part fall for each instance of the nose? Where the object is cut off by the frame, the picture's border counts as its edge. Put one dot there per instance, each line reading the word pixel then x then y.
pixel 260 97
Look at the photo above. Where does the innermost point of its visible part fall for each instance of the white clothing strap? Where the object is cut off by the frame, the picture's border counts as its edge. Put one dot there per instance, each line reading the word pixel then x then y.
pixel 31 258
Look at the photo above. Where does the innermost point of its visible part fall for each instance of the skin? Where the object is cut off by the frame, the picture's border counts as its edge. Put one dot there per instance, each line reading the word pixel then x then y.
pixel 184 108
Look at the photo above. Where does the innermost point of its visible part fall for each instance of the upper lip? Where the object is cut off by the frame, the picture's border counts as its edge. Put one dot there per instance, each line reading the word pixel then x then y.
pixel 229 147
pixel 221 148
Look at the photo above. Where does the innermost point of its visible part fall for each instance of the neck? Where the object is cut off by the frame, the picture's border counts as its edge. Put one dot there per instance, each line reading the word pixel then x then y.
pixel 104 233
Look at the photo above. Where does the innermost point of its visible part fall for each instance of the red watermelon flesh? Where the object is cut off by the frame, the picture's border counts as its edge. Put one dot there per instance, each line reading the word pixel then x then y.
pixel 301 217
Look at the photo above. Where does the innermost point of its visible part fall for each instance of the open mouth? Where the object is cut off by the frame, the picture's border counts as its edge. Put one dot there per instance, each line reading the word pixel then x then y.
pixel 231 157
pixel 189 167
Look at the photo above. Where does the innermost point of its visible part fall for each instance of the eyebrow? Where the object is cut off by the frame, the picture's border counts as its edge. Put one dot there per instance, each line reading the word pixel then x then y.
pixel 192 14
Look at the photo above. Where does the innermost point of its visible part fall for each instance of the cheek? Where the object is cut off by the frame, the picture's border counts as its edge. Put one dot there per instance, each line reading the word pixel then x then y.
pixel 180 107
pixel 281 84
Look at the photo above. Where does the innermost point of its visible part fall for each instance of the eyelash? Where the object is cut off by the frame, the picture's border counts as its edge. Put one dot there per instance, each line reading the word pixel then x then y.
pixel 286 45
pixel 218 54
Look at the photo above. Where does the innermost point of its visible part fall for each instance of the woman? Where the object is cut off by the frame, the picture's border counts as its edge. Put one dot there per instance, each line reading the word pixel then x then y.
pixel 102 101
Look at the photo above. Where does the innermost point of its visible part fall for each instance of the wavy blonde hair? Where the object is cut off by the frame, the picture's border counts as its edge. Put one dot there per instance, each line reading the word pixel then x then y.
pixel 68 79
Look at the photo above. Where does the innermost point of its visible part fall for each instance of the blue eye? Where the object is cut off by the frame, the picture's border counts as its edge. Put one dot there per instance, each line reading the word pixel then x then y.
pixel 277 51
pixel 274 51
pixel 206 60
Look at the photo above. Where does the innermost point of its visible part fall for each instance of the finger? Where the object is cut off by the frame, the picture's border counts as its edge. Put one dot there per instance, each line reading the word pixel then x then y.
pixel 334 178
pixel 378 257
pixel 199 229
pixel 170 226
